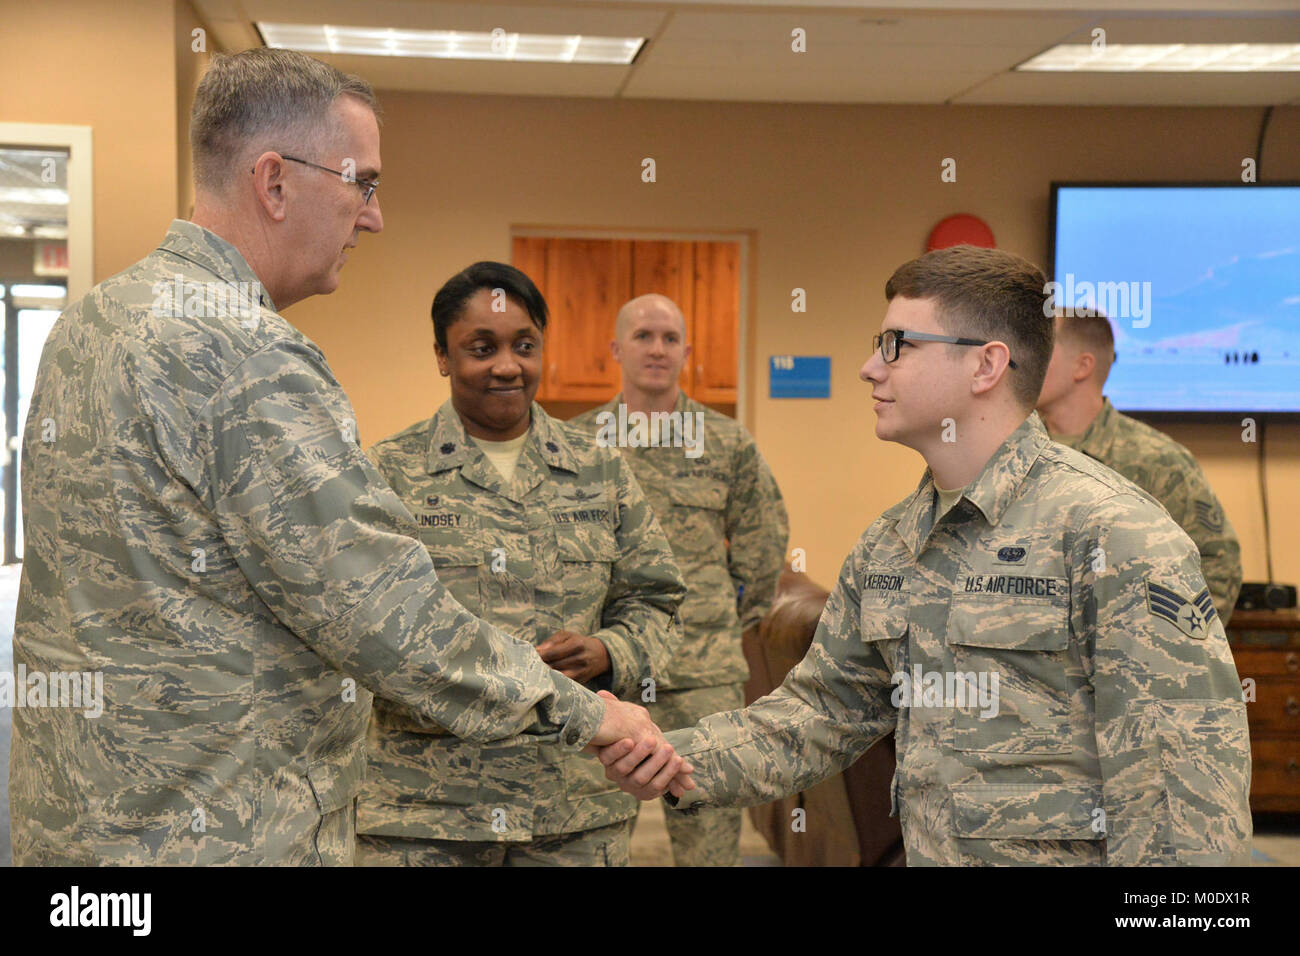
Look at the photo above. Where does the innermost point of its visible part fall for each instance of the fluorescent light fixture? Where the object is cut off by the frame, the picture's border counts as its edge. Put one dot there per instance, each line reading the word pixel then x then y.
pixel 38 291
pixel 31 196
pixel 451 44
pixel 1169 58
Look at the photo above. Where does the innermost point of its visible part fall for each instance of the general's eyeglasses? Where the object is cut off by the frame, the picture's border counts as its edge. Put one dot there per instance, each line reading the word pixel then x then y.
pixel 367 186
pixel 887 342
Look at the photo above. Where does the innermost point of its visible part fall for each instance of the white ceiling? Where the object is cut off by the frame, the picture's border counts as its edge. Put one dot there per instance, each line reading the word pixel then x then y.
pixel 930 51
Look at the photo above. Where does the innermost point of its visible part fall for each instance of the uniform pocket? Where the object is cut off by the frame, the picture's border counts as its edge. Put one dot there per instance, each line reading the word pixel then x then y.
pixel 458 560
pixel 698 522
pixel 1028 824
pixel 587 555
pixel 883 626
pixel 711 496
pixel 1018 652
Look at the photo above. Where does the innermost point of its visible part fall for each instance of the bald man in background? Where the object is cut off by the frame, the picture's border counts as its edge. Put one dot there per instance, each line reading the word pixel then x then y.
pixel 722 512
pixel 1077 414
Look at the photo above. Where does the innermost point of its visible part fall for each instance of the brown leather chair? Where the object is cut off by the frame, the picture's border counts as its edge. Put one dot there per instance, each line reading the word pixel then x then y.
pixel 846 816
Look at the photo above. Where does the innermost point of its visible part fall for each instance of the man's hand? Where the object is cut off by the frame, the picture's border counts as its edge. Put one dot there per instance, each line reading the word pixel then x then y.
pixel 575 656
pixel 647 765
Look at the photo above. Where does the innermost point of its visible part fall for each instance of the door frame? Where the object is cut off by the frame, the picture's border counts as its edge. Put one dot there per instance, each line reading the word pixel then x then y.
pixel 744 238
pixel 79 142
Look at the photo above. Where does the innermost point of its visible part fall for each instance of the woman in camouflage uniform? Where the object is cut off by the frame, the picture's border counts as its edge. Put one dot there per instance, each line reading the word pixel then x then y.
pixel 536 529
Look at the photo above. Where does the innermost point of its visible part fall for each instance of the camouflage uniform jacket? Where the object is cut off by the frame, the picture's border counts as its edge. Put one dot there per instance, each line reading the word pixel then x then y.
pixel 1166 470
pixel 1119 734
pixel 569 544
pixel 724 517
pixel 202 529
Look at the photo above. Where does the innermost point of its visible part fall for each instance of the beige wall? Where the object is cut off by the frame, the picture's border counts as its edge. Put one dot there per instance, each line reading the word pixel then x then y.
pixel 110 67
pixel 835 197
pixel 190 66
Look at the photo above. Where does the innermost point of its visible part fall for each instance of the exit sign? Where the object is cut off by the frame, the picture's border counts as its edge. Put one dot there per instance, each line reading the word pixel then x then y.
pixel 51 259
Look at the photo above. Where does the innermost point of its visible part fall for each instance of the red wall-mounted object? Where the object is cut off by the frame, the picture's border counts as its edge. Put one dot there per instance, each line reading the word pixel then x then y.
pixel 960 228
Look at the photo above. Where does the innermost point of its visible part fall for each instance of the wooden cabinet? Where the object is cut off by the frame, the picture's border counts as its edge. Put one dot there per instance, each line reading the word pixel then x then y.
pixel 585 281
pixel 1266 648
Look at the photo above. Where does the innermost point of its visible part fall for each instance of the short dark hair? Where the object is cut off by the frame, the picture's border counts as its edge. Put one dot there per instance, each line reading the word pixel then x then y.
pixel 259 97
pixel 449 303
pixel 987 294
pixel 1091 331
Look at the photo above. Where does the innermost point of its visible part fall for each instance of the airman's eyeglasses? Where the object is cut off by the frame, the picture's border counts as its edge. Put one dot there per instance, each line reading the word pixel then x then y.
pixel 888 341
pixel 367 186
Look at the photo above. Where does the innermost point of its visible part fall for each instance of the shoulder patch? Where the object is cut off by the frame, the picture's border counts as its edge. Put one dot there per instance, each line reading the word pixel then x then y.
pixel 1192 616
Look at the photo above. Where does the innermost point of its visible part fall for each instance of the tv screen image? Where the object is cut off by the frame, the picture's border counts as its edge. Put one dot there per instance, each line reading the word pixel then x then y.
pixel 1202 286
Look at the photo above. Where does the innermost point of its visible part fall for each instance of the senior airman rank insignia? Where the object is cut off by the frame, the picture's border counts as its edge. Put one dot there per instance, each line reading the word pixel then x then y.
pixel 1191 616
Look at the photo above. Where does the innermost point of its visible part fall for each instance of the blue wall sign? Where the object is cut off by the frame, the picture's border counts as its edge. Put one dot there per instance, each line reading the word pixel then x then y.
pixel 800 376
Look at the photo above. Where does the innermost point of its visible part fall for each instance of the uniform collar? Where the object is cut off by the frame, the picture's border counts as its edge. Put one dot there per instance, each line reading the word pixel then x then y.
pixel 209 251
pixel 683 404
pixel 1097 439
pixel 547 447
pixel 992 491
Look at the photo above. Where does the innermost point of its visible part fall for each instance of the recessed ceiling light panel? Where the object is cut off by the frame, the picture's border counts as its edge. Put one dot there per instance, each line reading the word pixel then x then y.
pixel 452 44
pixel 1169 58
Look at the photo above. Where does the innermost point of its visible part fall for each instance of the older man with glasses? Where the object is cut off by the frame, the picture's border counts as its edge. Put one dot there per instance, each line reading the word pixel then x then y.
pixel 205 536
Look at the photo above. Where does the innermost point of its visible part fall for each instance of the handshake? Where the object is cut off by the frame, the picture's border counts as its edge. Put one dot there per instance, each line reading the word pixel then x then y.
pixel 636 755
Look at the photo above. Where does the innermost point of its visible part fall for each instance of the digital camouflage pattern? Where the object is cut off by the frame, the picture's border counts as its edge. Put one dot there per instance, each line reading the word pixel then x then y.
pixel 1166 470
pixel 603 846
pixel 711 836
pixel 570 544
pixel 1120 735
pixel 727 494
pixel 202 528
pixel 726 521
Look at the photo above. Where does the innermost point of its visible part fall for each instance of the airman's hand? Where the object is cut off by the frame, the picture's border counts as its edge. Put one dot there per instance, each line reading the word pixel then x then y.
pixel 575 656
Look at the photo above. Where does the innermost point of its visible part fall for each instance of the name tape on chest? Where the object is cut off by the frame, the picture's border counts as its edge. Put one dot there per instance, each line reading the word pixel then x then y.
pixel 443 519
pixel 883 582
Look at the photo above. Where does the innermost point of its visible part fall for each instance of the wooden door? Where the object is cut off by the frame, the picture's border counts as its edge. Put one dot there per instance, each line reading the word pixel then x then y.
pixel 716 312
pixel 586 281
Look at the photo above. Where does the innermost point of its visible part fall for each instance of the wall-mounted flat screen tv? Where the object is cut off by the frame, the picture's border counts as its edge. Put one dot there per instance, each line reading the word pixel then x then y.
pixel 1202 286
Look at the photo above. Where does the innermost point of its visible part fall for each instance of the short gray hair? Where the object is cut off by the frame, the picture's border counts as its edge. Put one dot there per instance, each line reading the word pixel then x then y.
pixel 261 93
